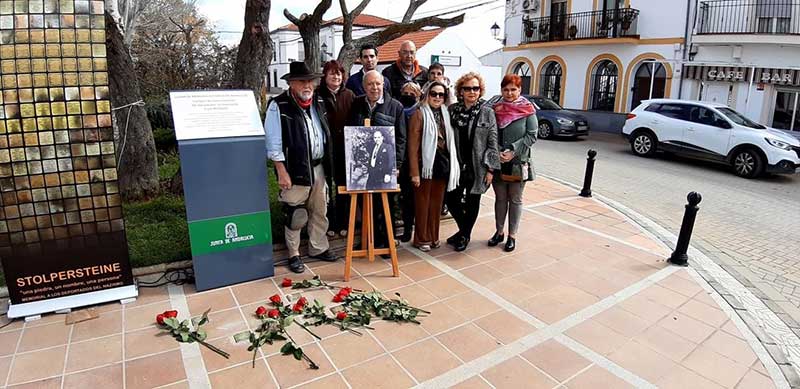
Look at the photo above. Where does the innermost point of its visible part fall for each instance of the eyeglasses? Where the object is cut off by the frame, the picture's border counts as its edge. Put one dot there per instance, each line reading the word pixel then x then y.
pixel 407 52
pixel 409 95
pixel 437 94
pixel 470 89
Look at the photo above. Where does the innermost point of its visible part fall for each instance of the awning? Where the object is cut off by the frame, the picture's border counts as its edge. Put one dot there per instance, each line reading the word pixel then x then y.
pixel 777 76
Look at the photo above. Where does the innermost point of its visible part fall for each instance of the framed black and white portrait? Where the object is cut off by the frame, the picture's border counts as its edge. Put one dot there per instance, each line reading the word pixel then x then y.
pixel 370 158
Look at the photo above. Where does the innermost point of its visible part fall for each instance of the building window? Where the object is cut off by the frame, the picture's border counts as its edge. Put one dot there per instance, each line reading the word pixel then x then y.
pixel 550 85
pixel 301 52
pixel 604 86
pixel 774 17
pixel 524 72
pixel 650 82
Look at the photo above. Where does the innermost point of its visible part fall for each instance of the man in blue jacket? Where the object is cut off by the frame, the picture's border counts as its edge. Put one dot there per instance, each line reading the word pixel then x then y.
pixel 369 61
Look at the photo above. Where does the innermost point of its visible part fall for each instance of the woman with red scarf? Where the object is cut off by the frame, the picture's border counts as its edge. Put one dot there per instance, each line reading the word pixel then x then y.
pixel 517 127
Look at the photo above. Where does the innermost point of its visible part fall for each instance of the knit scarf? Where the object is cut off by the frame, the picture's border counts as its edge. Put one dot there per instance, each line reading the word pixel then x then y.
pixel 508 112
pixel 463 116
pixel 430 133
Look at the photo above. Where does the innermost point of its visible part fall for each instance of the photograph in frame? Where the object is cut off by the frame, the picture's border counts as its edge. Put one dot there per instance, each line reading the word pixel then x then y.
pixel 370 161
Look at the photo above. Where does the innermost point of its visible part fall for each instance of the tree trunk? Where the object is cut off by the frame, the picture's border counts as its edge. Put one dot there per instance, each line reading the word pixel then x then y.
pixel 255 49
pixel 309 26
pixel 137 168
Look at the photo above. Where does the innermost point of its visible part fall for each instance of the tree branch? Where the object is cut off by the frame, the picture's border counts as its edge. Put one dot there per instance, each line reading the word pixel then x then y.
pixel 360 8
pixel 395 31
pixel 322 7
pixel 291 17
pixel 413 5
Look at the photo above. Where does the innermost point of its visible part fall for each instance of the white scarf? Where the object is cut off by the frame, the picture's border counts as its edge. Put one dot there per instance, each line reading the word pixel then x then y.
pixel 430 133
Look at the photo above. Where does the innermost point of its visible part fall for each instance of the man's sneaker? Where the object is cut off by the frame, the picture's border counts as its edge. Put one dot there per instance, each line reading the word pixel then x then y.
pixel 296 264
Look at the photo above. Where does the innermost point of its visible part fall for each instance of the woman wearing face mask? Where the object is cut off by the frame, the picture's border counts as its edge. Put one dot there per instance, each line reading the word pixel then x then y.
pixel 475 132
pixel 409 96
pixel 517 128
pixel 433 163
pixel 338 100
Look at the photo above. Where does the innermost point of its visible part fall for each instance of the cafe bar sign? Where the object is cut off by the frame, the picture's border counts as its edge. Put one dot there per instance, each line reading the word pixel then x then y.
pixel 785 77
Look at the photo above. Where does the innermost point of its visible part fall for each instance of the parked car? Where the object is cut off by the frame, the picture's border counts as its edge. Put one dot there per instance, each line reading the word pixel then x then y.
pixel 712 132
pixel 556 121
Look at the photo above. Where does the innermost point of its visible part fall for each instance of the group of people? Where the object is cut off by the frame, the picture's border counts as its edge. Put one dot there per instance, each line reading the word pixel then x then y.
pixel 450 146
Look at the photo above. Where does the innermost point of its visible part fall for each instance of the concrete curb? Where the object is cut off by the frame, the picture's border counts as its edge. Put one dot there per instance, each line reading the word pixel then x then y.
pixel 764 318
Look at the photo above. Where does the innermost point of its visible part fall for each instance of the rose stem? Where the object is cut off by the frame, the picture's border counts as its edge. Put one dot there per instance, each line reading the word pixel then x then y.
pixel 211 347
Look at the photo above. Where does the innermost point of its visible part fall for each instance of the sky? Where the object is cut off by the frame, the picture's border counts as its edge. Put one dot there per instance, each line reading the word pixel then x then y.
pixel 228 16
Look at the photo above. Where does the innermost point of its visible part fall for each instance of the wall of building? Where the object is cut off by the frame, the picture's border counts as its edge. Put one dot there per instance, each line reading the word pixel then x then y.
pixel 578 58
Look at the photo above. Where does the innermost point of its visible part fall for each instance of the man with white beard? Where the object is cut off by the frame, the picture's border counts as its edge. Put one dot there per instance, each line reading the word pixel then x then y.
pixel 298 142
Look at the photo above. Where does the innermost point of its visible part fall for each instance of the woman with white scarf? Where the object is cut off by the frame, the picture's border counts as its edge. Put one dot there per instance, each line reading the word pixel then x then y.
pixel 433 163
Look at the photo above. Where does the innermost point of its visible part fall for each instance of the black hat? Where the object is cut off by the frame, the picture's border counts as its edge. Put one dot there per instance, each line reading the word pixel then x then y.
pixel 300 71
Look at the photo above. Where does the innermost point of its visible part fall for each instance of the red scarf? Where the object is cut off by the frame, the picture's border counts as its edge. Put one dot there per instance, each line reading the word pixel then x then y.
pixel 507 112
pixel 303 104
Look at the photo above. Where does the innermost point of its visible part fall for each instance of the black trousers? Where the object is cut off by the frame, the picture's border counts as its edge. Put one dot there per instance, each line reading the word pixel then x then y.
pixel 379 219
pixel 464 206
pixel 407 206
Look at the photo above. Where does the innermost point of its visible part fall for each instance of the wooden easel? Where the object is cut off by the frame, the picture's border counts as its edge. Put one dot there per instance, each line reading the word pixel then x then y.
pixel 368 249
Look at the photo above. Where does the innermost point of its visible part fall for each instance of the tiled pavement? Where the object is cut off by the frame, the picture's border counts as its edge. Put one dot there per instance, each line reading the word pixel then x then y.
pixel 586 301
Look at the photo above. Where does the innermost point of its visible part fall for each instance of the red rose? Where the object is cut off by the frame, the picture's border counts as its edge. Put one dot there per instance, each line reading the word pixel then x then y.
pixel 171 314
pixel 276 299
pixel 273 313
pixel 338 298
pixel 160 318
pixel 287 282
pixel 341 315
pixel 345 291
pixel 297 307
pixel 302 301
pixel 261 311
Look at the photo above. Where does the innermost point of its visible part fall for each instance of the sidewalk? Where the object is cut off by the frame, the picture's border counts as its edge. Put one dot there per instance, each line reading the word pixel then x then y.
pixel 586 301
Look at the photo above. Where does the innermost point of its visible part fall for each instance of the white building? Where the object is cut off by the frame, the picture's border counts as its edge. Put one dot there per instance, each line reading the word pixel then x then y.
pixel 746 53
pixel 288 44
pixel 446 47
pixel 599 55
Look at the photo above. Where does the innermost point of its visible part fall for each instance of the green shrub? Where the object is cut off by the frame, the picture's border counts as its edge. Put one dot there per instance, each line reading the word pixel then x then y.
pixel 165 140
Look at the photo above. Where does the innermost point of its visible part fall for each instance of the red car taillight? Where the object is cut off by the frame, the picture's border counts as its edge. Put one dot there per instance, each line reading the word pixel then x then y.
pixel 630 116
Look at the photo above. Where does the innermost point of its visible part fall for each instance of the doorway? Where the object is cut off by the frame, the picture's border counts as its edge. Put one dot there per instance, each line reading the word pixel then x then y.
pixel 787 110
pixel 649 82
pixel 558 19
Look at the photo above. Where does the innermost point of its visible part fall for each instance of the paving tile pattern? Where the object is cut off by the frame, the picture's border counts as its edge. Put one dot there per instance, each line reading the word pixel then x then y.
pixel 573 256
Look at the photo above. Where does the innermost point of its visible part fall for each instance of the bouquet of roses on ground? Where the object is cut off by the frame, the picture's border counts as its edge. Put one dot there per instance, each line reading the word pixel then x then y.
pixel 182 332
pixel 274 322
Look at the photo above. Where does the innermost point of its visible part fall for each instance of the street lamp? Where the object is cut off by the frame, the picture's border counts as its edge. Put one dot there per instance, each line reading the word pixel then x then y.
pixel 495 31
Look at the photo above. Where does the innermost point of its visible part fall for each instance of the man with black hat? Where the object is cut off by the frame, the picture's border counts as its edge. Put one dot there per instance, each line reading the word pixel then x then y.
pixel 298 142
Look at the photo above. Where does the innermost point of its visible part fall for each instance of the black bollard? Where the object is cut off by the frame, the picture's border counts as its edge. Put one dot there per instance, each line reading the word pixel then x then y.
pixel 679 256
pixel 587 179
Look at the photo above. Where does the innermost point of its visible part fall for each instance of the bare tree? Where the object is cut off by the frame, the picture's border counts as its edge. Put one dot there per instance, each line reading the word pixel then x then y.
pixel 350 46
pixel 130 12
pixel 255 48
pixel 137 168
pixel 309 26
pixel 348 18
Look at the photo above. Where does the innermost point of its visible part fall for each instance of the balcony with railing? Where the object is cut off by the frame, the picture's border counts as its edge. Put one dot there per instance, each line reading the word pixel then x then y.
pixel 617 23
pixel 770 17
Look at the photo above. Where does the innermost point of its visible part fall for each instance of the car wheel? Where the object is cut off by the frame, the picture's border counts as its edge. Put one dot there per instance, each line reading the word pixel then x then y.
pixel 748 163
pixel 545 130
pixel 643 144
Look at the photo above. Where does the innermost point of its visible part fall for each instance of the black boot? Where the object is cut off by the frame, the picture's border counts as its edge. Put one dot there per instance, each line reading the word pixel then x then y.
pixel 511 244
pixel 462 244
pixel 496 239
pixel 455 239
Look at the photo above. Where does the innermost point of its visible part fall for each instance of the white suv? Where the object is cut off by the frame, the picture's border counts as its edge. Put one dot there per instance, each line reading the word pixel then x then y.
pixel 711 132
